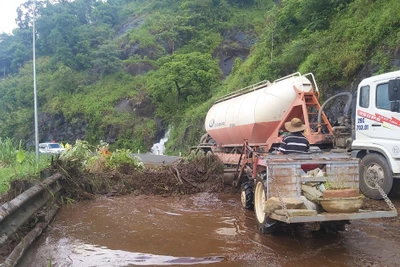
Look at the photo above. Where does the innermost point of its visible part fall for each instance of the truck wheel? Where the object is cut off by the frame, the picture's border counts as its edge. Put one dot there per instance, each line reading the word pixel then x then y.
pixel 247 196
pixel 264 224
pixel 374 167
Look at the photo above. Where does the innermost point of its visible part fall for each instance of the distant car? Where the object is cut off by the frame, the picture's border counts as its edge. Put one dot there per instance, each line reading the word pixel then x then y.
pixel 50 148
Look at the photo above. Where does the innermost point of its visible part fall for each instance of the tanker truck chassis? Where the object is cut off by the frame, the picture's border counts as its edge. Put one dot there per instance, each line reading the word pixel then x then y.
pixel 245 127
pixel 282 177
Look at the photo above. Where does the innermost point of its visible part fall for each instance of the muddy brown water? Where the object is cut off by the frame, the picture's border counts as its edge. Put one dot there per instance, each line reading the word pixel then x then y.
pixel 200 230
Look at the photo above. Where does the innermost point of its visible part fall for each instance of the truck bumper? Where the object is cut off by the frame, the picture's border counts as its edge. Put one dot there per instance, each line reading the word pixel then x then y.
pixel 325 217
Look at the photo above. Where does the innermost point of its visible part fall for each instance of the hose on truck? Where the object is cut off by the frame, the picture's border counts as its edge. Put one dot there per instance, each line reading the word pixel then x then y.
pixel 346 107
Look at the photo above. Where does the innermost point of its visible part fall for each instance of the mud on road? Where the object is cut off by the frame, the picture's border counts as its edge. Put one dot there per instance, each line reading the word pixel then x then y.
pixel 204 174
pixel 184 215
pixel 202 229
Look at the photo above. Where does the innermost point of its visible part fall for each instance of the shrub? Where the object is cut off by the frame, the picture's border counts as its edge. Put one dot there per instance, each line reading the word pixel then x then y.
pixel 122 158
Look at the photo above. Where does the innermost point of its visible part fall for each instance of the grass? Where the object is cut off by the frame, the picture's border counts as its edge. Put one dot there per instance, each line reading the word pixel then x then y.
pixel 18 164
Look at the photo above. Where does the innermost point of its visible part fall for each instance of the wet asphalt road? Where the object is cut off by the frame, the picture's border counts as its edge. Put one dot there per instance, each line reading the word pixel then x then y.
pixel 201 230
pixel 157 160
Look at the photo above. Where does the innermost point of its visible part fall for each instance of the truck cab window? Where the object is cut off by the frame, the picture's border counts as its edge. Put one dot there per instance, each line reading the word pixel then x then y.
pixel 382 96
pixel 364 97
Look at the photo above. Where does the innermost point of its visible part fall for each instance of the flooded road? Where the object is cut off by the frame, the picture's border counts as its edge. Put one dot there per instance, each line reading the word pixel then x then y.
pixel 200 230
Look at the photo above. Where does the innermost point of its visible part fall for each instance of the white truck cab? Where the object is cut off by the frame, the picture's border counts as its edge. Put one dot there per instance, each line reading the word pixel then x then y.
pixel 377 132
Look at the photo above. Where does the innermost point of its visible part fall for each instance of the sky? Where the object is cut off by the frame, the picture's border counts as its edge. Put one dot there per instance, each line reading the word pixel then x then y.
pixel 8 14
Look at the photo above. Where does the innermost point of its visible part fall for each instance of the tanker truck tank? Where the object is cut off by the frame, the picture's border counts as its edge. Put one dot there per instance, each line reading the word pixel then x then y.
pixel 254 112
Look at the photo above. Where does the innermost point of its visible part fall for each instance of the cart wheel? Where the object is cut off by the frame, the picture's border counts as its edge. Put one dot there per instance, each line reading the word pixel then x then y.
pixel 264 224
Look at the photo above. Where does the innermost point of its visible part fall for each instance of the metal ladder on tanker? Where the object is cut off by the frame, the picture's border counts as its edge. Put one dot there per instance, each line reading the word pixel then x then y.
pixel 311 108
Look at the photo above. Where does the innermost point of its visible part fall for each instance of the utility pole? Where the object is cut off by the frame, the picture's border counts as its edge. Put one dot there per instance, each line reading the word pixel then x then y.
pixel 34 84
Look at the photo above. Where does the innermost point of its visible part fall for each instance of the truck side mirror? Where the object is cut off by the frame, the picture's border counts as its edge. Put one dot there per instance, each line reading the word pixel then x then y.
pixel 394 89
pixel 394 106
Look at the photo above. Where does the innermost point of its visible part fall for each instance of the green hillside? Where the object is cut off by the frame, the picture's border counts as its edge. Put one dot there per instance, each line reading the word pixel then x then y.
pixel 125 71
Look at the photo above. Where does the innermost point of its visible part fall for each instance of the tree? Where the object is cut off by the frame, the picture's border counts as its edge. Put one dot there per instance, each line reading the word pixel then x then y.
pixel 64 80
pixel 106 59
pixel 183 80
pixel 25 12
pixel 17 49
pixel 104 13
pixel 206 12
pixel 5 56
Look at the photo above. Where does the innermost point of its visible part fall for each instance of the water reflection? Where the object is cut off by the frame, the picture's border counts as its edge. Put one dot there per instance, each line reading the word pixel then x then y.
pixel 81 254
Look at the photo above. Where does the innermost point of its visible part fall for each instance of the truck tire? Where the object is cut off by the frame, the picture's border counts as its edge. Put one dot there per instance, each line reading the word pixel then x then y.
pixel 264 224
pixel 374 167
pixel 247 196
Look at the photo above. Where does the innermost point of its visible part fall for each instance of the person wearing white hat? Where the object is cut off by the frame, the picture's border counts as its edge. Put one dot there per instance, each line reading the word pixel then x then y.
pixel 295 142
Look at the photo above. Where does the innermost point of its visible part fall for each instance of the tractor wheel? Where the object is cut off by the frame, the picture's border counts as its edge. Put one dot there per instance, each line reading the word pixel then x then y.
pixel 374 168
pixel 247 196
pixel 264 224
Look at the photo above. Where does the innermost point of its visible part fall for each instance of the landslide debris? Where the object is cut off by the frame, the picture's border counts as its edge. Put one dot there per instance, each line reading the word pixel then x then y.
pixel 203 174
pixel 87 174
pixel 187 177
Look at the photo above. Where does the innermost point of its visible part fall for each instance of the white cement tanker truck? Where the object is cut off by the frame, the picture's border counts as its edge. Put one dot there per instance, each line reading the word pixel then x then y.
pixel 257 114
pixel 244 128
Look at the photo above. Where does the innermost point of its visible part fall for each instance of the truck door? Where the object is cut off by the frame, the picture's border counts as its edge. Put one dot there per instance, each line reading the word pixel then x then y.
pixel 385 125
pixel 363 117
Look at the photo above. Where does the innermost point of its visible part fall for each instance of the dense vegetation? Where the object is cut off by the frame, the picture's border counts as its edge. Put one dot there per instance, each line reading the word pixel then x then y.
pixel 124 71
pixel 15 163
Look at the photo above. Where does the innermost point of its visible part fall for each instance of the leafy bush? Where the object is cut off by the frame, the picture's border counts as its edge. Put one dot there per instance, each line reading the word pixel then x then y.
pixel 122 158
pixel 77 155
pixel 104 160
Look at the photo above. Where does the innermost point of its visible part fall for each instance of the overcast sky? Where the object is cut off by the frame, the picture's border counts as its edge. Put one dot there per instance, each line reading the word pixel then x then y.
pixel 8 14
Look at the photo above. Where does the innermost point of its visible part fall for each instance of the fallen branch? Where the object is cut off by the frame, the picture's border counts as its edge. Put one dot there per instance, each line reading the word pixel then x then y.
pixel 177 177
pixel 186 180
